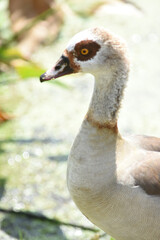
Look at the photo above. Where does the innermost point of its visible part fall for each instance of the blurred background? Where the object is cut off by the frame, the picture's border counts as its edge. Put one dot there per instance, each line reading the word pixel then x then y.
pixel 38 122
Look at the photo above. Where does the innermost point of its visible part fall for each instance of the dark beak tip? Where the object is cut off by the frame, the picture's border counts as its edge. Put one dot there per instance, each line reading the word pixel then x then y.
pixel 42 77
pixel 57 71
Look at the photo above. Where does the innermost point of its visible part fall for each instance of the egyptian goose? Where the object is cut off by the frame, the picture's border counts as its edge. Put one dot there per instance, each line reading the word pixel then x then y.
pixel 114 180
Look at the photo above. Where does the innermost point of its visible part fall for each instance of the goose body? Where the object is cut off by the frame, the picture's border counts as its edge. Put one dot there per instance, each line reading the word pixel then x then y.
pixel 114 181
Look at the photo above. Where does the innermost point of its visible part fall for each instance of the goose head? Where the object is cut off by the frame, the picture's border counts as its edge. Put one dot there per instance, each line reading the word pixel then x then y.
pixel 94 51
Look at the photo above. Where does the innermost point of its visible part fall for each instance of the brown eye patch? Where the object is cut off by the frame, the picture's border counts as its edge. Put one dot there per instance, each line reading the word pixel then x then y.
pixel 89 47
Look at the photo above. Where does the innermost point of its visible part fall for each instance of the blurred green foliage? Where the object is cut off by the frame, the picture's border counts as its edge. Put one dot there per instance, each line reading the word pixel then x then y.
pixel 14 66
pixel 23 67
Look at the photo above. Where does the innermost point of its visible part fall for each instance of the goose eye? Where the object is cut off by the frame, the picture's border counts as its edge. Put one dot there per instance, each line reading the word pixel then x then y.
pixel 84 51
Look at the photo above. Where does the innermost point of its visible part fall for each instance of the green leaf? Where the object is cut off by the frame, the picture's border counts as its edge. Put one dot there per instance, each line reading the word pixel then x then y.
pixel 9 54
pixel 29 70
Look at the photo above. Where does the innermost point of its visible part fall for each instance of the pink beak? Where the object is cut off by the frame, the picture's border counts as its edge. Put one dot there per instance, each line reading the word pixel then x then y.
pixel 61 68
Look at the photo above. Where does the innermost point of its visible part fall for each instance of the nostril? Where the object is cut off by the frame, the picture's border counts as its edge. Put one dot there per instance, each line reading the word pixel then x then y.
pixel 57 67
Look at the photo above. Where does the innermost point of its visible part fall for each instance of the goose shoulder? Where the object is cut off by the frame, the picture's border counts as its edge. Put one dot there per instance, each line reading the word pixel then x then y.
pixel 148 143
pixel 144 163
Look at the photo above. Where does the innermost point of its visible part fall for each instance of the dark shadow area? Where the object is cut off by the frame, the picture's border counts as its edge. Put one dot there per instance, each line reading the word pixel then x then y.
pixel 2 150
pixel 58 158
pixel 22 227
pixel 2 186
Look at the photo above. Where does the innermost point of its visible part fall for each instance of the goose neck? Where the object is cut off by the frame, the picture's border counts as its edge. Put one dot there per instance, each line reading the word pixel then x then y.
pixel 106 99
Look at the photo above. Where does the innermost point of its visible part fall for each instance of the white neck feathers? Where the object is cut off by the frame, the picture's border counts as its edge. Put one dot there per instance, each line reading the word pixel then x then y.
pixel 107 95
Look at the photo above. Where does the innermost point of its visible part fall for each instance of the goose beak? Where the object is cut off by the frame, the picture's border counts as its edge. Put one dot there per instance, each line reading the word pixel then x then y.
pixel 61 68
